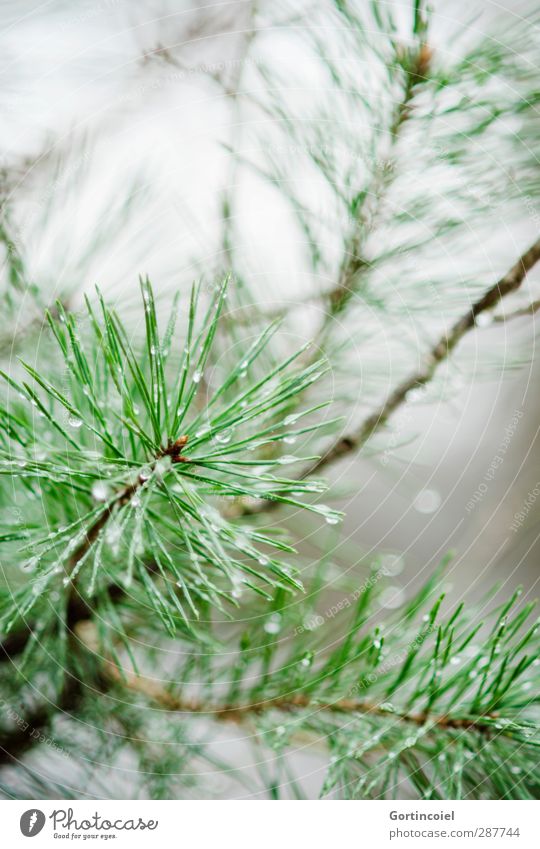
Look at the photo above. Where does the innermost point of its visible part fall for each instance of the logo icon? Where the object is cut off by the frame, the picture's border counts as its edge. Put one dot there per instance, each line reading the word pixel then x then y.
pixel 32 822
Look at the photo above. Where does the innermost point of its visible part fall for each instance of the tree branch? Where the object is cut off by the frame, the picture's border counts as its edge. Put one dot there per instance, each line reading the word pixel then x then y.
pixel 237 712
pixel 416 62
pixel 78 608
pixel 530 309
pixel 511 281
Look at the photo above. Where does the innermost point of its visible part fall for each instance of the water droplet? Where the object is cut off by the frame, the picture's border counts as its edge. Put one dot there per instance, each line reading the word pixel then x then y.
pixel 263 560
pixel 307 660
pixel 113 532
pixel 416 394
pixel 224 436
pixel 392 597
pixel 455 660
pixel 483 319
pixel 330 516
pixel 427 501
pixel 392 564
pixel 136 501
pixel 145 473
pixel 290 440
pixel 100 491
pixel 162 466
pixel 291 420
pixel 273 624
pixel 75 422
pixel 287 459
pixel 197 375
pixel 30 565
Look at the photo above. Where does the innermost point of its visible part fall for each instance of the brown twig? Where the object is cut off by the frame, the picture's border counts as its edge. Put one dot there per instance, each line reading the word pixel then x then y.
pixel 440 351
pixel 237 712
pixel 530 309
pixel 417 61
pixel 174 450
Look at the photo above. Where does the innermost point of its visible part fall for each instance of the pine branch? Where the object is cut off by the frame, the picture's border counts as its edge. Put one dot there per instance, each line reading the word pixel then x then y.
pixel 414 62
pixel 438 353
pixel 415 695
pixel 523 312
pixel 286 704
pixel 146 494
pixel 233 91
